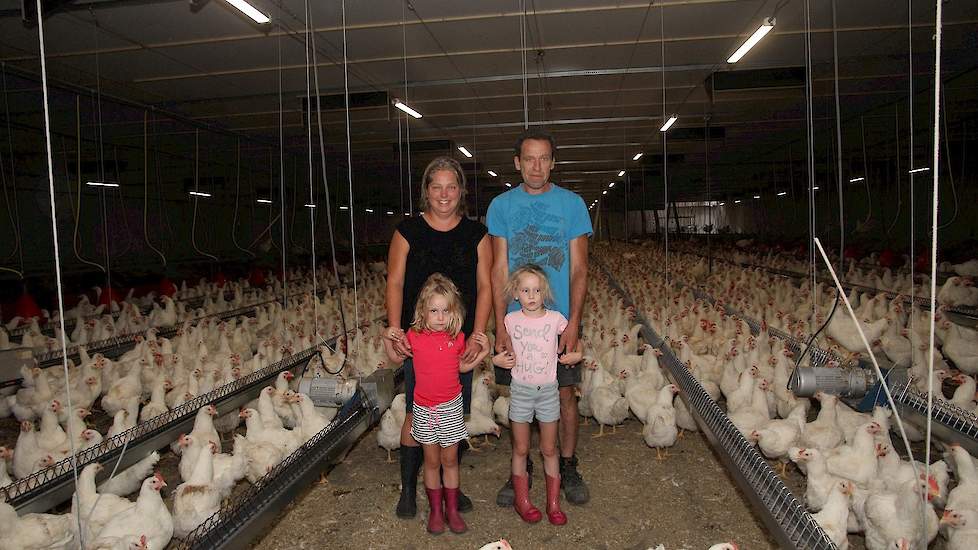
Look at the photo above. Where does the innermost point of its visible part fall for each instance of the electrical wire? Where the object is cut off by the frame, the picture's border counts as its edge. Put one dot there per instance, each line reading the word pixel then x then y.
pixel 13 212
pixel 193 228
pixel 146 188
pixel 947 157
pixel 237 198
pixel 78 189
pixel 349 171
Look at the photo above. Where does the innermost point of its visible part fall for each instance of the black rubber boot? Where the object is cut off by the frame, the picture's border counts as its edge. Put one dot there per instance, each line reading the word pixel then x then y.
pixel 505 496
pixel 575 490
pixel 411 460
pixel 464 502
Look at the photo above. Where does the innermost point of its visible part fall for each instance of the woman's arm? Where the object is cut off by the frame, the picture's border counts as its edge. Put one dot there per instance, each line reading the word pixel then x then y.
pixel 483 300
pixel 394 293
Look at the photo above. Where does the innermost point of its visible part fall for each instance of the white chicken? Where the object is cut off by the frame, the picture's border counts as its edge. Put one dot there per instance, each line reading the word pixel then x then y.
pixel 660 422
pixel 389 433
pixel 198 498
pixel 35 531
pixel 149 517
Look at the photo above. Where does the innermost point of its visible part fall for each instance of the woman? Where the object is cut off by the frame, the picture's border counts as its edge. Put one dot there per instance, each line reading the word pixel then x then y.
pixel 440 240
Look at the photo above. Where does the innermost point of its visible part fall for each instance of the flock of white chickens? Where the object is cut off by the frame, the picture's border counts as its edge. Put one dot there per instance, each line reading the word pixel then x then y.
pixel 162 374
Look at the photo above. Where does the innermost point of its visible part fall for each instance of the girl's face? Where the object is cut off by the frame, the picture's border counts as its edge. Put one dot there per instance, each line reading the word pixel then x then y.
pixel 528 292
pixel 444 192
pixel 437 313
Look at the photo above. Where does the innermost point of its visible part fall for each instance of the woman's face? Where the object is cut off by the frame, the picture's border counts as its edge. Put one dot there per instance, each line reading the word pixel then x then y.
pixel 444 192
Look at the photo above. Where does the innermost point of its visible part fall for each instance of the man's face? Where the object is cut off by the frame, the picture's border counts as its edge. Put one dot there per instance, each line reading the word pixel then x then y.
pixel 535 163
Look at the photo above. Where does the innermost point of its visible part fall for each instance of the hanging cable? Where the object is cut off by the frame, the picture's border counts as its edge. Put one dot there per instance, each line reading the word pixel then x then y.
pixel 838 143
pixel 237 198
pixel 310 34
pixel 14 212
pixel 281 161
pixel 407 119
pixel 146 188
pixel 899 195
pixel 78 189
pixel 349 172
pixel 57 251
pixel 193 228
pixel 911 172
pixel 665 158
pixel 869 194
pixel 811 161
pixel 947 157
pixel 526 100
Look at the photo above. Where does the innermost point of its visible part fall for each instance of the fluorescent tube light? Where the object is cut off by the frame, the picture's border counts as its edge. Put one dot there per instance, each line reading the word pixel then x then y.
pixel 464 151
pixel 621 173
pixel 672 120
pixel 199 194
pixel 250 11
pixel 390 212
pixel 407 213
pixel 737 201
pixel 493 174
pixel 263 201
pixel 605 192
pixel 783 193
pixel 610 185
pixel 369 210
pixel 637 156
pixel 855 180
pixel 344 208
pixel 101 184
pixel 918 170
pixel 509 184
pixel 721 204
pixel 760 33
pixel 310 205
pixel 757 196
pixel 815 188
pixel 406 109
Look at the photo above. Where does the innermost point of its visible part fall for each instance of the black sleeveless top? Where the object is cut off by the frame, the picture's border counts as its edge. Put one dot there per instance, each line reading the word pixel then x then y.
pixel 453 253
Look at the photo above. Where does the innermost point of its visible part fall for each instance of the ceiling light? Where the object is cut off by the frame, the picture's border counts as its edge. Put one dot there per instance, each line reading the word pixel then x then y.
pixel 918 170
pixel 493 174
pixel 406 109
pixel 621 173
pixel 752 41
pixel 783 193
pixel 610 185
pixel 721 204
pixel 407 213
pixel 737 201
pixel 605 192
pixel 757 196
pixel 369 210
pixel 465 151
pixel 101 184
pixel 310 205
pixel 250 11
pixel 264 201
pixel 509 184
pixel 390 212
pixel 815 188
pixel 854 180
pixel 344 208
pixel 199 194
pixel 672 120
pixel 637 156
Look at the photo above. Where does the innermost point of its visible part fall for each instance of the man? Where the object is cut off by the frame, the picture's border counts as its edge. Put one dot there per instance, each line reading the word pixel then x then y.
pixel 541 223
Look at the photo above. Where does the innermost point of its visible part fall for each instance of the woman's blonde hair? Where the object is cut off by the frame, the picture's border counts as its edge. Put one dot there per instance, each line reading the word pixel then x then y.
pixel 447 164
pixel 512 285
pixel 439 285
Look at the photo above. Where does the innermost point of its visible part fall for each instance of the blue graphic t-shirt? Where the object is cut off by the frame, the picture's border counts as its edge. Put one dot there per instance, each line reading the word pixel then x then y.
pixel 538 229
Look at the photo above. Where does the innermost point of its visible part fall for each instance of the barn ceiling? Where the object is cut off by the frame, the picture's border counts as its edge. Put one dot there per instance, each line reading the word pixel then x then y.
pixel 600 75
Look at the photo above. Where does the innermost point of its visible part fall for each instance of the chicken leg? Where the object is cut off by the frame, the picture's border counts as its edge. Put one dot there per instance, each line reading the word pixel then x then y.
pixel 660 454
pixel 473 447
pixel 600 432
pixel 681 434
pixel 587 421
pixel 390 459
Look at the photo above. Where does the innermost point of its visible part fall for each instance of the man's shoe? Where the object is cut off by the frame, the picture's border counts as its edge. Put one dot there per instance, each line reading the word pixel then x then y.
pixel 575 490
pixel 505 496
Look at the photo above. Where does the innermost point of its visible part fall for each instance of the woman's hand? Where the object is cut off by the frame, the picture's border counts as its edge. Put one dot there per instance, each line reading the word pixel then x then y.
pixel 399 341
pixel 504 360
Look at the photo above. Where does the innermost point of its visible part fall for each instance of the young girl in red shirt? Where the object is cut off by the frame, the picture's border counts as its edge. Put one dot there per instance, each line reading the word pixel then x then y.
pixel 437 343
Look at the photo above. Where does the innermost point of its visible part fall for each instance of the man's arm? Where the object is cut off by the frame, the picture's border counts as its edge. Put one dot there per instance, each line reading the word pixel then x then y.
pixel 500 271
pixel 578 293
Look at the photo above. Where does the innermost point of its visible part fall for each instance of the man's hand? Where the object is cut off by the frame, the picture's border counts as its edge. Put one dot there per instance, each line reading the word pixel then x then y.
pixel 474 344
pixel 568 339
pixel 503 341
pixel 398 341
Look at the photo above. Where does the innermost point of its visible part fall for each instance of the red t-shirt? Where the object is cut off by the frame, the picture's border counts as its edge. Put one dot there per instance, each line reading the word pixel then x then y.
pixel 436 360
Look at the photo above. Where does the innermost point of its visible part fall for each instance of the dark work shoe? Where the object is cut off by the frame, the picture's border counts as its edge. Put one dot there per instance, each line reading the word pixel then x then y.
pixel 575 490
pixel 505 496
pixel 464 502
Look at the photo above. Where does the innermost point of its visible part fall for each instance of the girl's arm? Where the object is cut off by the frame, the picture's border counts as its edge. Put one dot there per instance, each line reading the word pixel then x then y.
pixel 483 341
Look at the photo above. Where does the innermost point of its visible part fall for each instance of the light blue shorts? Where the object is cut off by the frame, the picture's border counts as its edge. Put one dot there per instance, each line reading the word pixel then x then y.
pixel 528 401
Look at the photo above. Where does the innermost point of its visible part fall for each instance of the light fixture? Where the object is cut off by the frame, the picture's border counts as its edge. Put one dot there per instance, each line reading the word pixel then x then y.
pixel 493 174
pixel 760 33
pixel 610 185
pixel 465 151
pixel 621 173
pixel 637 156
pixel 250 11
pixel 757 196
pixel 919 170
pixel 310 205
pixel 509 184
pixel 672 120
pixel 815 188
pixel 369 210
pixel 782 193
pixel 200 194
pixel 101 184
pixel 407 213
pixel 721 204
pixel 855 180
pixel 400 105
pixel 390 212
pixel 344 208
pixel 605 192
pixel 264 201
pixel 737 201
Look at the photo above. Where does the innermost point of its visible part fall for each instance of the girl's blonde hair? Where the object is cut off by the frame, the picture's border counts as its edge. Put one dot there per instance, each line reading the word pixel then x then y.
pixel 446 164
pixel 439 285
pixel 512 285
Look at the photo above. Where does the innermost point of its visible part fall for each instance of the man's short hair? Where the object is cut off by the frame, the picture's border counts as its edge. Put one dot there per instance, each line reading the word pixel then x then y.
pixel 537 134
